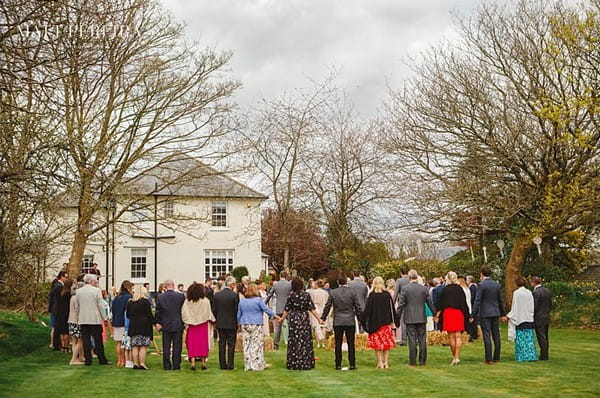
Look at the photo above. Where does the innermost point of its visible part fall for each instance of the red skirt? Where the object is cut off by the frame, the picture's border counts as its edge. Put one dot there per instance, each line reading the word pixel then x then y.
pixel 453 320
pixel 382 339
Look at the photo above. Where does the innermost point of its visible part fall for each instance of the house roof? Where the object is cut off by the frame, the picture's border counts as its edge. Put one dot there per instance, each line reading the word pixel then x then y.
pixel 181 175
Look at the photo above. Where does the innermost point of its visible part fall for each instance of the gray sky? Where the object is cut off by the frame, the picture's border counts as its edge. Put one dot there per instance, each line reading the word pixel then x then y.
pixel 277 45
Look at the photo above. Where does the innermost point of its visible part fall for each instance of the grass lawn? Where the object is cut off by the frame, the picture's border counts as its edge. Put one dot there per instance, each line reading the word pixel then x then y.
pixel 573 371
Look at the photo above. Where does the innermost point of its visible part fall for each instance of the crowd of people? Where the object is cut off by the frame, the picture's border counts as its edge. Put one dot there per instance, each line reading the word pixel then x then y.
pixel 392 313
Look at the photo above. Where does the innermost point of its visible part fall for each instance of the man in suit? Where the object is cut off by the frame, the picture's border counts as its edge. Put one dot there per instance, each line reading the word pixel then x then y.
pixel 208 289
pixel 91 316
pixel 542 304
pixel 225 305
pixel 489 306
pixel 435 297
pixel 280 290
pixel 472 327
pixel 400 283
pixel 168 319
pixel 53 298
pixel 413 297
pixel 362 291
pixel 346 307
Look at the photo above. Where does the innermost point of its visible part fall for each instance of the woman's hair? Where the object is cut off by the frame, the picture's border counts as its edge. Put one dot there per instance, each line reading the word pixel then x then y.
pixel 67 287
pixel 462 281
pixel 126 287
pixel 320 283
pixel 451 278
pixel 378 284
pixel 390 283
pixel 162 287
pixel 297 285
pixel 520 281
pixel 76 286
pixel 139 292
pixel 195 292
pixel 251 291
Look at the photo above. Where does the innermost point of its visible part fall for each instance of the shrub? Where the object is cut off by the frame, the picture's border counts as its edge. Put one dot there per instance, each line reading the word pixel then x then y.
pixel 239 272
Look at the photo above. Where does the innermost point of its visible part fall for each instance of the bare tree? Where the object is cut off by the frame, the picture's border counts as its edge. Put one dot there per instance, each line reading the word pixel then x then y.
pixel 504 126
pixel 132 91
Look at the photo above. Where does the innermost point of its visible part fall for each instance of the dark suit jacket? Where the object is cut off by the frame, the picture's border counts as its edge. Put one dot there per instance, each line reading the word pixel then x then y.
pixel 488 303
pixel 362 291
pixel 225 306
pixel 542 304
pixel 412 303
pixel 435 294
pixel 473 290
pixel 168 310
pixel 345 306
pixel 55 297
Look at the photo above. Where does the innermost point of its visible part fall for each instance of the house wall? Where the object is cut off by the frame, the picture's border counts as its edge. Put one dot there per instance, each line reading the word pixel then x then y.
pixel 183 244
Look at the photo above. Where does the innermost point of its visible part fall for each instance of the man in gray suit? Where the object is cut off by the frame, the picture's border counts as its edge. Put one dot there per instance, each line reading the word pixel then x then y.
pixel 362 291
pixel 489 306
pixel 91 315
pixel 281 290
pixel 413 297
pixel 345 308
pixel 542 304
pixel 400 283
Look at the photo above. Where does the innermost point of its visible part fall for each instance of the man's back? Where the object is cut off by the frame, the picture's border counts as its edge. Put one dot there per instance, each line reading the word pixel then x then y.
pixel 225 308
pixel 412 303
pixel 542 305
pixel 168 310
pixel 488 302
pixel 361 290
pixel 345 306
pixel 400 283
pixel 281 290
pixel 91 305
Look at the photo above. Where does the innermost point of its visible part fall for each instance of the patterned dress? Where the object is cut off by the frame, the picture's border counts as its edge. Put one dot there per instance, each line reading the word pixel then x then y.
pixel 525 346
pixel 300 353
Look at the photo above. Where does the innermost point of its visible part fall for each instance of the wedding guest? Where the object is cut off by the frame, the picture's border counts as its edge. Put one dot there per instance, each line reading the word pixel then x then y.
pixel 489 306
pixel 453 313
pixel 250 317
pixel 300 353
pixel 62 307
pixel 472 326
pixel 280 290
pixel 90 318
pixel 319 297
pixel 119 305
pixel 225 305
pixel 378 319
pixel 262 293
pixel 521 322
pixel 413 298
pixel 345 308
pixel 74 329
pixel 390 285
pixel 169 322
pixel 400 283
pixel 196 314
pixel 53 297
pixel 542 302
pixel 141 320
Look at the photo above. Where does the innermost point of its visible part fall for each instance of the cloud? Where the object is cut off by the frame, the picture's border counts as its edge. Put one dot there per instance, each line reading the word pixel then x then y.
pixel 277 44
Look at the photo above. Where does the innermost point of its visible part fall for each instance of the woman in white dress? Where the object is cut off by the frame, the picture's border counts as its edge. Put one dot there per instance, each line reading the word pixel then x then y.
pixel 319 298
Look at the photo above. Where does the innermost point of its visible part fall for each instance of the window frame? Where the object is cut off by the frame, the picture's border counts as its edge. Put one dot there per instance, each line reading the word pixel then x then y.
pixel 138 270
pixel 212 265
pixel 221 216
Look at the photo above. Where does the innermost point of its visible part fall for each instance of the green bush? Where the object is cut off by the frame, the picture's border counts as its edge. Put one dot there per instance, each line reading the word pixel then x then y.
pixel 239 272
pixel 575 303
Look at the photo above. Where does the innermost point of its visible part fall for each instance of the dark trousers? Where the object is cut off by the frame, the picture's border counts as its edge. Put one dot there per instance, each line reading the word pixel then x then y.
pixel 338 332
pixel 541 331
pixel 56 343
pixel 226 342
pixel 491 331
pixel 87 332
pixel 417 334
pixel 174 338
pixel 472 329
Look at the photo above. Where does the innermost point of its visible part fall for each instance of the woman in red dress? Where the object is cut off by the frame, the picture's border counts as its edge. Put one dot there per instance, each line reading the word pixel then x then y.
pixel 453 311
pixel 378 320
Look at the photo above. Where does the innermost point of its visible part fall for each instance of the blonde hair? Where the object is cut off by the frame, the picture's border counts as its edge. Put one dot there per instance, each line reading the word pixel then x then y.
pixel 378 285
pixel 139 292
pixel 451 278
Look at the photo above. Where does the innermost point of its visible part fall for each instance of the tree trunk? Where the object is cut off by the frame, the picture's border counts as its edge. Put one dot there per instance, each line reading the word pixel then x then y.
pixel 514 267
pixel 286 258
pixel 77 252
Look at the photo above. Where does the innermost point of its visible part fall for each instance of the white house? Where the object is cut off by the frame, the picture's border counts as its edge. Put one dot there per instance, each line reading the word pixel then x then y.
pixel 202 225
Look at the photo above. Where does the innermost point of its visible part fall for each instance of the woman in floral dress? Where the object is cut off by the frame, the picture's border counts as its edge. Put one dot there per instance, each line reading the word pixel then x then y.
pixel 300 353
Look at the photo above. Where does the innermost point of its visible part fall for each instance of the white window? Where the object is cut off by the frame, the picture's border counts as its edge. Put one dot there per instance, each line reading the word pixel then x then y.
pixel 219 214
pixel 217 262
pixel 138 263
pixel 168 208
pixel 86 264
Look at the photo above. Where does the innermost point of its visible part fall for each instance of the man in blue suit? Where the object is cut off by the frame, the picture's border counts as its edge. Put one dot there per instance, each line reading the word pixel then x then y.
pixel 489 306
